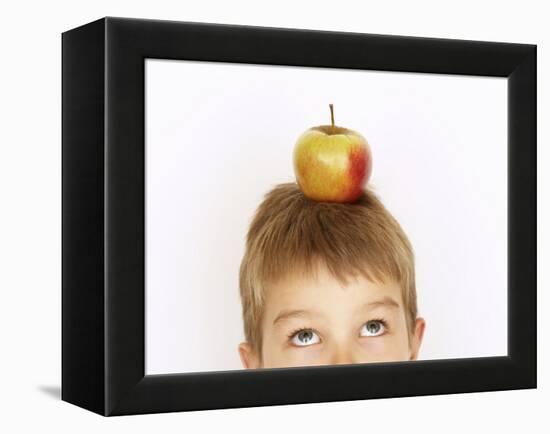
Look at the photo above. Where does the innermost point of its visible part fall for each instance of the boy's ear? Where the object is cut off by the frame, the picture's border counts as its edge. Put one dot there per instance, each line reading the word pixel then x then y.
pixel 249 358
pixel 416 340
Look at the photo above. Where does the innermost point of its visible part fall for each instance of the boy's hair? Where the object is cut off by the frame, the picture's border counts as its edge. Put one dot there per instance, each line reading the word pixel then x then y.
pixel 290 234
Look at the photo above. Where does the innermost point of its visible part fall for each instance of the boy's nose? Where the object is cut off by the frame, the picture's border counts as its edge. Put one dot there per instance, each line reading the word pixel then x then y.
pixel 342 356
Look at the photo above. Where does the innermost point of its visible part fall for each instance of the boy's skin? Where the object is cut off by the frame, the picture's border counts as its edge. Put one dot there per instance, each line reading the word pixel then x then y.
pixel 341 325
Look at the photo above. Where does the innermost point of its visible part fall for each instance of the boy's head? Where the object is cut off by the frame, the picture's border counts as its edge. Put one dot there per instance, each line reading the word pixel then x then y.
pixel 326 283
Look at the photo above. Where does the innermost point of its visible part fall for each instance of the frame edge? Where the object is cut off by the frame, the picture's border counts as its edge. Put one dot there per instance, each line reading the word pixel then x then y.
pixel 83 371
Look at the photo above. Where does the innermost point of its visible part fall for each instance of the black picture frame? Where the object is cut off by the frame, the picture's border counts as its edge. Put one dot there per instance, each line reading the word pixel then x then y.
pixel 103 215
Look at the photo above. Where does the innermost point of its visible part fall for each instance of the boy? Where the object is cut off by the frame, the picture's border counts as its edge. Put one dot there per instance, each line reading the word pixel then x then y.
pixel 326 283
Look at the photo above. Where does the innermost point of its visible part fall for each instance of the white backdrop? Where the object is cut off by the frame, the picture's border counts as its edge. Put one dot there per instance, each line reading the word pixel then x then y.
pixel 30 228
pixel 220 135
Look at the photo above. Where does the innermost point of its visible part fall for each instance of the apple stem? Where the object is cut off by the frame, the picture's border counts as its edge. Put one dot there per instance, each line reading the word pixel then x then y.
pixel 331 115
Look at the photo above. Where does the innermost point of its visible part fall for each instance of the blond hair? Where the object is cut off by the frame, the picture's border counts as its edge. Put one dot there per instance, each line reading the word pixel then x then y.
pixel 290 233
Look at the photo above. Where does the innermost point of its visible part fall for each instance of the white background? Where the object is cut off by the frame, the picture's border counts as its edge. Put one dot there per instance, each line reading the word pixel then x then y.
pixel 30 231
pixel 219 136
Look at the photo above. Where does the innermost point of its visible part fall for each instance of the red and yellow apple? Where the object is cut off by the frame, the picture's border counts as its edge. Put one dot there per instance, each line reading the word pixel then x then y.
pixel 332 163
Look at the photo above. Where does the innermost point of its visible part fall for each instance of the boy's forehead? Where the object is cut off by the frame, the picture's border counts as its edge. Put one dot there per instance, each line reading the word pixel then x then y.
pixel 325 289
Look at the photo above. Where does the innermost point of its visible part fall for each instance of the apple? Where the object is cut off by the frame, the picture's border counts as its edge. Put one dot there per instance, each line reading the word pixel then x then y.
pixel 332 163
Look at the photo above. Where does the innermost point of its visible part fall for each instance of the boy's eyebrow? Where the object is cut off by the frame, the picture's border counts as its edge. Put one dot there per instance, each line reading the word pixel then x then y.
pixel 385 301
pixel 289 313
pixel 285 314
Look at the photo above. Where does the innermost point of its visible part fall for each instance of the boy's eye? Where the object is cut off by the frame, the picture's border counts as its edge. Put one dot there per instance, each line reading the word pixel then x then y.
pixel 373 328
pixel 305 337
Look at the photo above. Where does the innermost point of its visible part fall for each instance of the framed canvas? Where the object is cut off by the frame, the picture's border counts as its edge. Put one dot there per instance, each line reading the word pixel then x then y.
pixel 258 216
